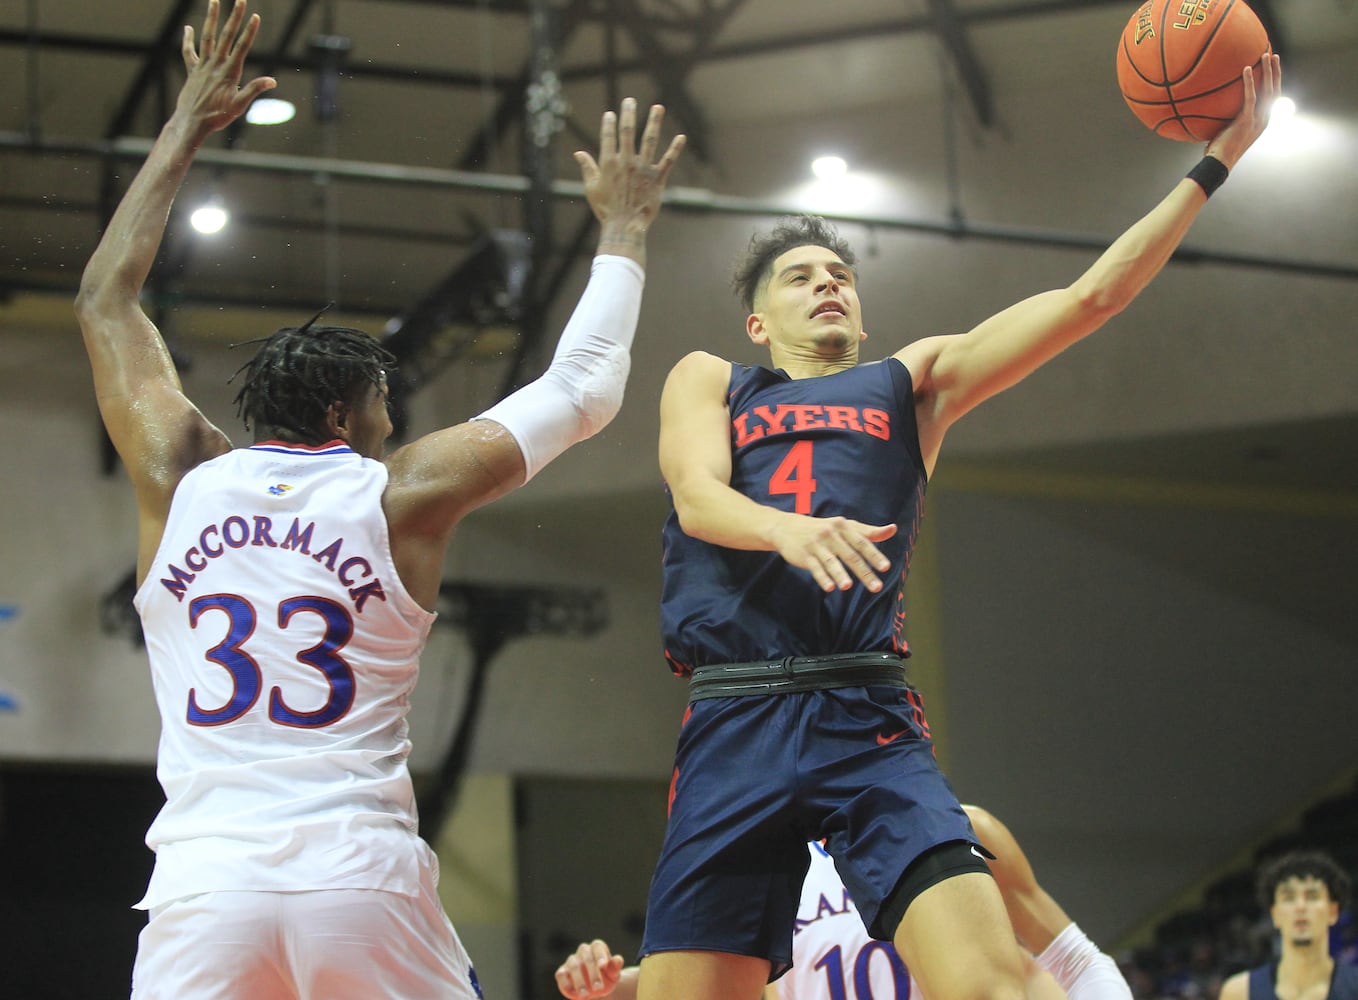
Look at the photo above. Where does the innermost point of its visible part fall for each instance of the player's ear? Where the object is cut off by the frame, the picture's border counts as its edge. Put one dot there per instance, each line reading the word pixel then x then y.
pixel 755 329
pixel 862 335
pixel 337 420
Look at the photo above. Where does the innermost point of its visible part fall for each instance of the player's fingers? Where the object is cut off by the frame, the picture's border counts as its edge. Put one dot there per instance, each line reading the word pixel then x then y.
pixel 863 539
pixel 819 573
pixel 833 565
pixel 589 169
pixel 190 52
pixel 627 128
pixel 662 170
pixel 251 92
pixel 878 532
pixel 209 30
pixel 232 27
pixel 650 136
pixel 1251 95
pixel 570 978
pixel 858 565
pixel 608 135
pixel 241 47
pixel 854 561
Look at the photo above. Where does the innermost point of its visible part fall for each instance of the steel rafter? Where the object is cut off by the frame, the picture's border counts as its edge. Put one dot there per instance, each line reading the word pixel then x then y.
pixel 157 54
pixel 951 32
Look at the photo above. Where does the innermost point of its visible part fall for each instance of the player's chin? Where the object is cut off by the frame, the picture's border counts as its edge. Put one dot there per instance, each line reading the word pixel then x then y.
pixel 836 341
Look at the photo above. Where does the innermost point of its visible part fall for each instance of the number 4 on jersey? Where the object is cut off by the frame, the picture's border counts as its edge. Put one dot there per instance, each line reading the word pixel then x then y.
pixel 794 476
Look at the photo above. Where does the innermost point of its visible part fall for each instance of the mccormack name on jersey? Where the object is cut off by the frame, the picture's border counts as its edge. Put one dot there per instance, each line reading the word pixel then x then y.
pixel 237 533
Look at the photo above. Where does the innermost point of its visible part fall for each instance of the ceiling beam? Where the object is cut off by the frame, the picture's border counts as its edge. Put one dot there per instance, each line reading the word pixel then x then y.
pixel 153 65
pixel 679 200
pixel 954 38
pixel 514 94
pixel 442 76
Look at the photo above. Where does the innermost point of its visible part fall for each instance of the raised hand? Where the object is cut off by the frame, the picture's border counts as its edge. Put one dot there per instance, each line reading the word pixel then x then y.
pixel 624 186
pixel 212 96
pixel 1260 93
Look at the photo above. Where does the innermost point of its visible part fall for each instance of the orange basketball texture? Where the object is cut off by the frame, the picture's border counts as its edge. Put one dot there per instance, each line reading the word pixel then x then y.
pixel 1179 64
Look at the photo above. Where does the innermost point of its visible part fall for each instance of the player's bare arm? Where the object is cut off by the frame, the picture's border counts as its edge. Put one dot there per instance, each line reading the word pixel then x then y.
pixel 953 374
pixel 438 479
pixel 695 460
pixel 158 432
pixel 1036 916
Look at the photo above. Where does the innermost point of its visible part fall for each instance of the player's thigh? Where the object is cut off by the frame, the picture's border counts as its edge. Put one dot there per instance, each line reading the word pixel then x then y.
pixel 216 946
pixel 956 940
pixel 701 975
pixel 357 944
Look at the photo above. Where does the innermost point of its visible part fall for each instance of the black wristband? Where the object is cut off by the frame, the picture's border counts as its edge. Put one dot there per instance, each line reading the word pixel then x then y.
pixel 1210 173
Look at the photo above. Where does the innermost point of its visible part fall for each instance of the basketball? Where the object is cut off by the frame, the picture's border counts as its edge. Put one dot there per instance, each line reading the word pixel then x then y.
pixel 1179 64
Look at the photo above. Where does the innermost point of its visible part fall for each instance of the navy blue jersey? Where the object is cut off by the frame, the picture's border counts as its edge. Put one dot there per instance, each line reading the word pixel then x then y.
pixel 843 444
pixel 1343 982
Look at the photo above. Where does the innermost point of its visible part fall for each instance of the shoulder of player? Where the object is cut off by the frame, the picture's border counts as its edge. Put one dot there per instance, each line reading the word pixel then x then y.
pixel 698 374
pixel 1236 987
pixel 456 468
pixel 700 365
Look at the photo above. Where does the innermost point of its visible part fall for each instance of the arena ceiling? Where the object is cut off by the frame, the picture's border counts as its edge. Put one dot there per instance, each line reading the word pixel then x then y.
pixel 408 148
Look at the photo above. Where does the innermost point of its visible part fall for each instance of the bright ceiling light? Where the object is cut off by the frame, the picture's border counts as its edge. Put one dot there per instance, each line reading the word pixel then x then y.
pixel 270 111
pixel 1283 109
pixel 209 219
pixel 829 167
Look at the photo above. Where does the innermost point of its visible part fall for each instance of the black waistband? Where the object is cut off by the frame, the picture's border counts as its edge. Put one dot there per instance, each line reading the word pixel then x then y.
pixel 796 673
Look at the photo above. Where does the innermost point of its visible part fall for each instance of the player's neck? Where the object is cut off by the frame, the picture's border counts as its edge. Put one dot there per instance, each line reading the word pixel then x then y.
pixel 807 364
pixel 1306 963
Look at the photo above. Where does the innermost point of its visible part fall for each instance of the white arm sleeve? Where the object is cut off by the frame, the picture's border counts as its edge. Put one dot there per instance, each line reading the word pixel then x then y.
pixel 1084 972
pixel 581 391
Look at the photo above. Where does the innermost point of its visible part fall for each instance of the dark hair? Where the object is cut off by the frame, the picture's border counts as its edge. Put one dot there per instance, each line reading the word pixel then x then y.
pixel 755 268
pixel 300 370
pixel 1302 864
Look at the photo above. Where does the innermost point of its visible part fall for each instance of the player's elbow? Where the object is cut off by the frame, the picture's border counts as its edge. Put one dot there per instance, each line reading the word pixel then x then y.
pixel 599 393
pixel 1096 303
pixel 99 297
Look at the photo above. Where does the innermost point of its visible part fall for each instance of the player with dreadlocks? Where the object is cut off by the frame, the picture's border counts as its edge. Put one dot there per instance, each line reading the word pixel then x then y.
pixel 300 370
pixel 286 589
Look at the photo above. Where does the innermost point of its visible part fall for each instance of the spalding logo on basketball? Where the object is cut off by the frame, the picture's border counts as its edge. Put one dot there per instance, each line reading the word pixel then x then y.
pixel 1180 61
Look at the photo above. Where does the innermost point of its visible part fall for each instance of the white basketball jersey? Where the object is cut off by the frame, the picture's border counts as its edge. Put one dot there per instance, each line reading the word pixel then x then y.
pixel 283 651
pixel 834 959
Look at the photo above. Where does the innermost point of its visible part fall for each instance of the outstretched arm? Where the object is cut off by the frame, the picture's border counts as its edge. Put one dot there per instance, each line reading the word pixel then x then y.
pixel 438 479
pixel 1036 916
pixel 695 460
pixel 952 374
pixel 1042 926
pixel 157 431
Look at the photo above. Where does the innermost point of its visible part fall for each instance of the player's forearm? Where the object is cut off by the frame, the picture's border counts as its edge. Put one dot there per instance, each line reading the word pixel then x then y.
pixel 713 512
pixel 582 390
pixel 1139 254
pixel 119 266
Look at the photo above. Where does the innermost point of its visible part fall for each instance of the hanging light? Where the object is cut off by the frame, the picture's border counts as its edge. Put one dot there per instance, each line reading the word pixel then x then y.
pixel 829 167
pixel 210 217
pixel 270 111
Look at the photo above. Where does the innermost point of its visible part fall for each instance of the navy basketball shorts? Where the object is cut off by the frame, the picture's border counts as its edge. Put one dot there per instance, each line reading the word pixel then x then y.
pixel 757 777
